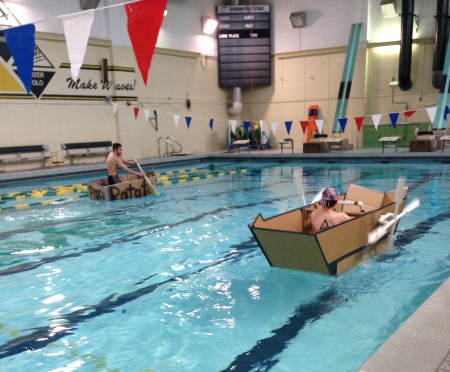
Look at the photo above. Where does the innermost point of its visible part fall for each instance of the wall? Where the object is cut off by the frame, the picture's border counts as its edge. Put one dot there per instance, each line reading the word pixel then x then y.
pixel 64 113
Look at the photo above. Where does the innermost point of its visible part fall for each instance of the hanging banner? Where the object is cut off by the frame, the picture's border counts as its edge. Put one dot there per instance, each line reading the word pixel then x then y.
pixel 21 42
pixel 394 118
pixel 376 120
pixel 188 121
pixel 77 29
pixel 319 124
pixel 343 123
pixel 304 125
pixel 144 22
pixel 288 125
pixel 274 126
pixel 359 122
pixel 176 119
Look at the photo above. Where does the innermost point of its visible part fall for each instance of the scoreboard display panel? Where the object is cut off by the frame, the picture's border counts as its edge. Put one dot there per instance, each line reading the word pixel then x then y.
pixel 244 45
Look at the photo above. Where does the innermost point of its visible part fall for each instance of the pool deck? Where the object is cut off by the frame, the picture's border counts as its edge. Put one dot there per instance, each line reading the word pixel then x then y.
pixel 422 342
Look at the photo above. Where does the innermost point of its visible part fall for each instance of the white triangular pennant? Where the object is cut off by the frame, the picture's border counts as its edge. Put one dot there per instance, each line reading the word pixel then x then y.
pixel 274 126
pixel 233 124
pixel 376 120
pixel 77 29
pixel 176 119
pixel 115 106
pixel 431 111
pixel 147 114
pixel 319 123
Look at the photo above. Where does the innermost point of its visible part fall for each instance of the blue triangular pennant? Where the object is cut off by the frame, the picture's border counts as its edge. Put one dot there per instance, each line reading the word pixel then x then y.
pixel 446 112
pixel 288 126
pixel 211 123
pixel 188 121
pixel 394 118
pixel 343 123
pixel 155 113
pixel 247 126
pixel 21 43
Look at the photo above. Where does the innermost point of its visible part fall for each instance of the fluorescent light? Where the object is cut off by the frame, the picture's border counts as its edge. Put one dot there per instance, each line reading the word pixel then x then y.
pixel 209 25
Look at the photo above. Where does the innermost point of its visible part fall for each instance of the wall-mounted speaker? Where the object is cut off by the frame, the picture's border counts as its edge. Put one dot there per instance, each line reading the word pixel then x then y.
pixel 89 4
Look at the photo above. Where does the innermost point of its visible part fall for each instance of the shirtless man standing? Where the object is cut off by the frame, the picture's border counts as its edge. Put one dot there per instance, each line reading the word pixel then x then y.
pixel 325 216
pixel 114 161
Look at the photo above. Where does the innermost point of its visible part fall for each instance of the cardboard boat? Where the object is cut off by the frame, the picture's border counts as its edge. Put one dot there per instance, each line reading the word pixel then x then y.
pixel 288 242
pixel 131 187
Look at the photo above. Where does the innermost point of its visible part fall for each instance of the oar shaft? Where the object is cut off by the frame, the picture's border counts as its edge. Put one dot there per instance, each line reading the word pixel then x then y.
pixel 147 179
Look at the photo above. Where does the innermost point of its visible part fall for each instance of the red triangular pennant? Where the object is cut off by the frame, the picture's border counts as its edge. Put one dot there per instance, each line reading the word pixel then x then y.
pixel 144 21
pixel 409 113
pixel 359 122
pixel 136 112
pixel 304 125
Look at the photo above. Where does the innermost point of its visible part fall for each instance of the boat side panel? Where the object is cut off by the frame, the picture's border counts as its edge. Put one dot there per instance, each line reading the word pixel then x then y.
pixel 291 250
pixel 289 221
pixel 364 254
pixel 133 188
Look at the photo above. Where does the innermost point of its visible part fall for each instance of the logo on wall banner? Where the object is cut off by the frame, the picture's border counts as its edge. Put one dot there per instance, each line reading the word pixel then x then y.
pixel 10 83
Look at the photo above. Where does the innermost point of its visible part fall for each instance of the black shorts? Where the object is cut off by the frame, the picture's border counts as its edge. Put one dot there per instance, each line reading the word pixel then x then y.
pixel 112 180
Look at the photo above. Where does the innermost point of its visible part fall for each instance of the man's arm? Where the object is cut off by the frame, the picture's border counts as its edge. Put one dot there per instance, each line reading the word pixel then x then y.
pixel 121 164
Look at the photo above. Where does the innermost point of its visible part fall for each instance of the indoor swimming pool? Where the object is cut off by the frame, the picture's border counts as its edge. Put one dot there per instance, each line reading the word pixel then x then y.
pixel 177 282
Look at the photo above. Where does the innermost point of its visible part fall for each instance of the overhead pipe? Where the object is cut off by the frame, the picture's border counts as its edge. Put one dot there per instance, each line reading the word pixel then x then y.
pixel 440 42
pixel 236 107
pixel 404 68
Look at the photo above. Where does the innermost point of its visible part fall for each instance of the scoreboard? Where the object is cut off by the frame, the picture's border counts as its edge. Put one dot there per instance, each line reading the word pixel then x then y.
pixel 244 45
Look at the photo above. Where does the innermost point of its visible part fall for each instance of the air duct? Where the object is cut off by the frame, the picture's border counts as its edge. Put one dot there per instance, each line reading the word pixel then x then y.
pixel 440 43
pixel 404 68
pixel 236 107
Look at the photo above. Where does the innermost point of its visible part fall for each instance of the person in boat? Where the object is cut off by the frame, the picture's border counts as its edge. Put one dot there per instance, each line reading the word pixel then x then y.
pixel 326 216
pixel 114 161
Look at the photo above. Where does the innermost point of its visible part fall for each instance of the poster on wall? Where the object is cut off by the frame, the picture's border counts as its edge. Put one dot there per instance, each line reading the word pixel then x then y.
pixel 52 80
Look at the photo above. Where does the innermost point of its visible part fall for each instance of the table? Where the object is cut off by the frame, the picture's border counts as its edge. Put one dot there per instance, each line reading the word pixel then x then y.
pixel 242 143
pixel 443 139
pixel 389 140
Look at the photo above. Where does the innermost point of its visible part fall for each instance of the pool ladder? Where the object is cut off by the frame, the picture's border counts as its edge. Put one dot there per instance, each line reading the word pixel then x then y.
pixel 173 147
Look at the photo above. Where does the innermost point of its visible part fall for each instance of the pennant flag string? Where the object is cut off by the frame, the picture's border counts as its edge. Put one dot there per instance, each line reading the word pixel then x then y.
pixel 75 14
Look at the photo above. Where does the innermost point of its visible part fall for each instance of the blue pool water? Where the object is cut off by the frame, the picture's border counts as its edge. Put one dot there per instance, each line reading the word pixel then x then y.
pixel 177 283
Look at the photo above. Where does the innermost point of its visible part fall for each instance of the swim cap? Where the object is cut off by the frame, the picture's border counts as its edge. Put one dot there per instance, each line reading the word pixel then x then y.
pixel 330 194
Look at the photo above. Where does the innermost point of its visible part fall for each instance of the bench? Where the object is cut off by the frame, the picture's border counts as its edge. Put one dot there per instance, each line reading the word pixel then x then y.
pixel 242 143
pixel 289 142
pixel 389 140
pixel 444 139
pixel 85 149
pixel 14 154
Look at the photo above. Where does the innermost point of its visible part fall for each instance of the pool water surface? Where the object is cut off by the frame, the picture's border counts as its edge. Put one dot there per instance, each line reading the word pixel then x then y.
pixel 177 282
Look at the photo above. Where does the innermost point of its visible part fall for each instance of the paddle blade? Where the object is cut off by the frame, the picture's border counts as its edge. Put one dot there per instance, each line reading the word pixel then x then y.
pixel 399 193
pixel 379 232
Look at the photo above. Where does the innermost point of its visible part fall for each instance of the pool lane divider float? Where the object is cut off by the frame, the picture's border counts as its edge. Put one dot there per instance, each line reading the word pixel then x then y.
pixel 81 191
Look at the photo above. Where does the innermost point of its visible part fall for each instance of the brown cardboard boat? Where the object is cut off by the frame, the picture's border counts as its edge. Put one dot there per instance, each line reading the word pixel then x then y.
pixel 131 187
pixel 287 241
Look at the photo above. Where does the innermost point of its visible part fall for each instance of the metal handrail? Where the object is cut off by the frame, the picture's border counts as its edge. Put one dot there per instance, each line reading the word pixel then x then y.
pixel 169 141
